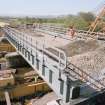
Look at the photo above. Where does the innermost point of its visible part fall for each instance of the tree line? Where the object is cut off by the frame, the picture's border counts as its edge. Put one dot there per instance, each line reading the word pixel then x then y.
pixel 80 21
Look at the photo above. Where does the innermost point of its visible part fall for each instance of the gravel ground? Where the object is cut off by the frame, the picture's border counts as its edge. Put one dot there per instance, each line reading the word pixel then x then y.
pixel 92 62
pixel 80 47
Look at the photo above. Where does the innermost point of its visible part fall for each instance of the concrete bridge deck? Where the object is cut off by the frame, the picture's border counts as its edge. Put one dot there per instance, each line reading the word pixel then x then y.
pixel 43 52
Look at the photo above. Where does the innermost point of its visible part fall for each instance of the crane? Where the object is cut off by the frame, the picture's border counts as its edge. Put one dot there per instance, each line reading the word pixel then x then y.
pixel 98 20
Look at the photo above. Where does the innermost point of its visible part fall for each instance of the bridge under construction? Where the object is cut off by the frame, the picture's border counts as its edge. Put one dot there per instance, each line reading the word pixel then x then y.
pixel 74 68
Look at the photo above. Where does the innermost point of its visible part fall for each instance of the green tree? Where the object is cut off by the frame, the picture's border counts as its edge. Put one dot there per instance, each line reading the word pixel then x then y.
pixel 88 17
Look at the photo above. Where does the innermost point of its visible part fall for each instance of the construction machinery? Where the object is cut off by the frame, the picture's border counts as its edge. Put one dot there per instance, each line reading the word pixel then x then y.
pixel 99 20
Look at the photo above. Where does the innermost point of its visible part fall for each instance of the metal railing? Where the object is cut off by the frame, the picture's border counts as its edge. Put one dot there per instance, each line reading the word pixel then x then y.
pixel 60 31
pixel 84 76
pixel 34 46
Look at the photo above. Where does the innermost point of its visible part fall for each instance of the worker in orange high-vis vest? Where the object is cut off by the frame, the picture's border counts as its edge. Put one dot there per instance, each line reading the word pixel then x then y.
pixel 71 31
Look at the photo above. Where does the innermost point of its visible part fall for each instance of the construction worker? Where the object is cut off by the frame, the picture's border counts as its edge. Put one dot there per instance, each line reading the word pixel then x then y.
pixel 71 31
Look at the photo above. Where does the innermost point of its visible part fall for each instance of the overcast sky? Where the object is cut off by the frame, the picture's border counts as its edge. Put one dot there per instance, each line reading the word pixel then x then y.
pixel 46 7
